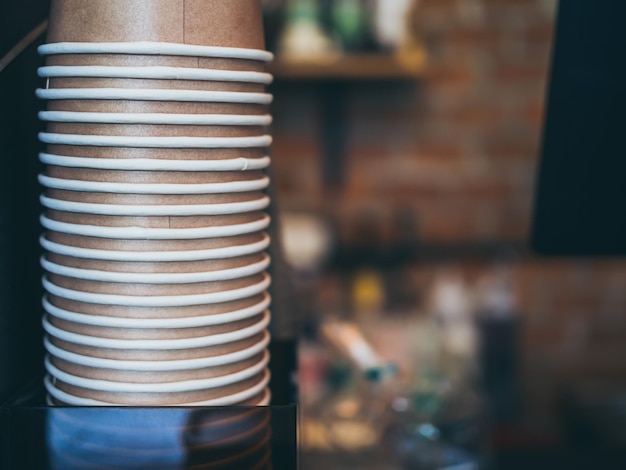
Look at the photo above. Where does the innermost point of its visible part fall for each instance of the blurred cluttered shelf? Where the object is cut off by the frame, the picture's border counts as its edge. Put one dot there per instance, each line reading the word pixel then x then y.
pixel 364 66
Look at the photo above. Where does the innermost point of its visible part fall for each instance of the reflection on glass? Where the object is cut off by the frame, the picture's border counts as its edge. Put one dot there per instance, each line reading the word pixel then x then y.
pixel 159 438
pixel 228 439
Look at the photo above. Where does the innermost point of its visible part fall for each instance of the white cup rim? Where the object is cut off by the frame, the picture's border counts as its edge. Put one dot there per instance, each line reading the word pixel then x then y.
pixel 156 278
pixel 154 48
pixel 147 233
pixel 157 210
pixel 154 94
pixel 159 142
pixel 158 387
pixel 241 186
pixel 157 344
pixel 157 323
pixel 158 72
pixel 154 256
pixel 153 164
pixel 222 401
pixel 158 300
pixel 84 117
pixel 157 366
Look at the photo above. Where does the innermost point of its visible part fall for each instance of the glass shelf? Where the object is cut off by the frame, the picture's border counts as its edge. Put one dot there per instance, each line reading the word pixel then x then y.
pixel 36 436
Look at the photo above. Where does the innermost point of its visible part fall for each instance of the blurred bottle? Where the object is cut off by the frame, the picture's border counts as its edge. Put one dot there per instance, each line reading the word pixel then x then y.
pixel 499 351
pixel 303 35
pixel 307 241
pixel 391 24
pixel 439 421
pixel 368 292
pixel 350 22
pixel 451 305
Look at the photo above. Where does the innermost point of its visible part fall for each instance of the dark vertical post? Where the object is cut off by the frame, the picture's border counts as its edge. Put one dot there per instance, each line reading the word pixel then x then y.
pixel 334 134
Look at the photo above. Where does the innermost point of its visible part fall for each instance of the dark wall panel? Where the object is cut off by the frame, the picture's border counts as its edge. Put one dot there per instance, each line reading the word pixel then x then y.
pixel 21 349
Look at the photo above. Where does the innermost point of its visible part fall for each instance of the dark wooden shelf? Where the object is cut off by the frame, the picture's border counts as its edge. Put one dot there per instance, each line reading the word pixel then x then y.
pixel 409 65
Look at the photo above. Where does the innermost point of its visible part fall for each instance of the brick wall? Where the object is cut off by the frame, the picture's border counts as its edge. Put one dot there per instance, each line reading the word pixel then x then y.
pixel 460 149
pixel 483 106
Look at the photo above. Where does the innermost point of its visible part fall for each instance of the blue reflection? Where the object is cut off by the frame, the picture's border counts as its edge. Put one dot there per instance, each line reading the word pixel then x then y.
pixel 97 438
pixel 158 438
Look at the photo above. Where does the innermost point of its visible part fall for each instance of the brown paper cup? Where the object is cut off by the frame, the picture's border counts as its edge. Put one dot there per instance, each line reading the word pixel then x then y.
pixel 237 23
pixel 139 60
pixel 157 268
pixel 158 153
pixel 230 84
pixel 145 313
pixel 154 245
pixel 157 290
pixel 150 130
pixel 162 399
pixel 262 399
pixel 152 199
pixel 152 334
pixel 175 222
pixel 130 376
pixel 153 366
pixel 154 273
pixel 165 107
pixel 151 177
pixel 159 355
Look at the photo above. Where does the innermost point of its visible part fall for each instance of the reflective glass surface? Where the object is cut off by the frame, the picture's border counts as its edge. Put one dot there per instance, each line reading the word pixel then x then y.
pixel 34 436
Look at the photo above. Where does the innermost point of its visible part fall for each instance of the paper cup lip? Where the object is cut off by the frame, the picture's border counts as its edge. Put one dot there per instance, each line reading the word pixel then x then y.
pixel 154 72
pixel 156 278
pixel 162 387
pixel 147 164
pixel 158 366
pixel 183 300
pixel 157 323
pixel 154 188
pixel 144 233
pixel 156 256
pixel 156 118
pixel 141 210
pixel 154 94
pixel 157 387
pixel 233 399
pixel 157 344
pixel 154 48
pixel 87 140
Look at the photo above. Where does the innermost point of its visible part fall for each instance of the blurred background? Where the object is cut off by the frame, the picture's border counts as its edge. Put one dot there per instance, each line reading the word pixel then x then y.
pixel 406 143
pixel 407 137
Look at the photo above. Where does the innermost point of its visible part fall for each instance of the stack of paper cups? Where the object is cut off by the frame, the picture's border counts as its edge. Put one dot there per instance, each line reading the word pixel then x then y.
pixel 155 206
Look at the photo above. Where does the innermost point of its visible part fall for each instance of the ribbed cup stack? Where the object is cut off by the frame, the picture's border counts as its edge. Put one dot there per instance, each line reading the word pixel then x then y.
pixel 154 203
